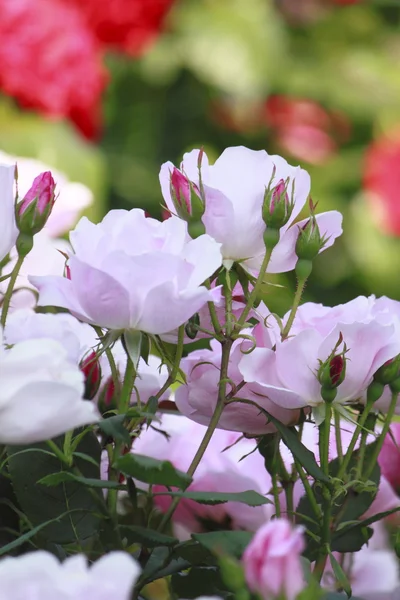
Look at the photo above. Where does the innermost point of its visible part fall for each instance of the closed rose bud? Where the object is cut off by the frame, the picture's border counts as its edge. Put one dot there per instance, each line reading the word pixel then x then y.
pixel 277 207
pixel 108 397
pixel 180 192
pixel 332 373
pixel 388 372
pixel 186 200
pixel 309 242
pixel 272 561
pixel 91 369
pixel 35 208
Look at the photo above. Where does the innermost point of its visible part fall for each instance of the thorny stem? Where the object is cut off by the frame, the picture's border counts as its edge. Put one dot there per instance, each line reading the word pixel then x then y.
pixel 226 349
pixel 110 357
pixel 296 302
pixel 255 291
pixel 10 288
pixel 360 425
pixel 374 458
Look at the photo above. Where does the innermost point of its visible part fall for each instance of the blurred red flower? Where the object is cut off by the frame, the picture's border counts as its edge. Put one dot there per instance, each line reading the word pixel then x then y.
pixel 127 25
pixel 51 51
pixel 382 181
pixel 304 129
pixel 50 61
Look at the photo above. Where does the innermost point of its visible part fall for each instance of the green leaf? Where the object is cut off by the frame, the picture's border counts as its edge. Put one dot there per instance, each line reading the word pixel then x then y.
pixel 44 505
pixel 351 538
pixel 195 553
pixel 151 408
pixel 132 341
pixel 150 470
pixel 114 428
pixel 340 575
pixel 199 581
pixel 347 508
pixel 8 548
pixel 233 543
pixel 9 517
pixel 57 478
pixel 300 452
pixel 251 498
pixel 147 537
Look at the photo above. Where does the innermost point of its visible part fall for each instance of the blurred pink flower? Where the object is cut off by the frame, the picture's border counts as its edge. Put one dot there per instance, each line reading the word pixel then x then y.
pixel 389 458
pixel 272 561
pixel 382 181
pixel 221 470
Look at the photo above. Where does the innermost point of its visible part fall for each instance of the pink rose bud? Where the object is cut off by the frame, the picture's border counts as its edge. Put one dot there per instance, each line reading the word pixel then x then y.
pixel 180 190
pixel 186 198
pixel 272 561
pixel 277 206
pixel 389 457
pixel 34 210
pixel 91 369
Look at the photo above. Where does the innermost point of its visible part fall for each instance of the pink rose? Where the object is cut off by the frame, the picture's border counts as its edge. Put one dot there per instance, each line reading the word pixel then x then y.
pixel 298 361
pixel 221 470
pixel 272 561
pixel 389 458
pixel 133 272
pixel 197 399
pixel 234 189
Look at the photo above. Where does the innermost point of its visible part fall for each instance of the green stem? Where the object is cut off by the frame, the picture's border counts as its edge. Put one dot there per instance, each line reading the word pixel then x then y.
pixel 308 489
pixel 214 318
pixel 374 458
pixel 8 295
pixel 359 427
pixel 275 491
pixel 324 435
pixel 123 405
pixel 226 349
pixel 228 307
pixel 127 387
pixel 59 453
pixel 175 367
pixel 67 445
pixel 274 476
pixel 296 302
pixel 288 487
pixel 110 358
pixel 255 291
pixel 338 435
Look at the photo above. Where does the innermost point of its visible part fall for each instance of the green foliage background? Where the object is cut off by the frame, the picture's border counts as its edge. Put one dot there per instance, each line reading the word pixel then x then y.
pixel 238 52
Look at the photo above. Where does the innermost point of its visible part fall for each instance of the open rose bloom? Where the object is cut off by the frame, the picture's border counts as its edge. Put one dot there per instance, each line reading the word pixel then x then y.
pixel 163 433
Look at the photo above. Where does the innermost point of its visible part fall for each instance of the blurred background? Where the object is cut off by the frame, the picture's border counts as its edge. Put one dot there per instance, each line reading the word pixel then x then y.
pixel 107 90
